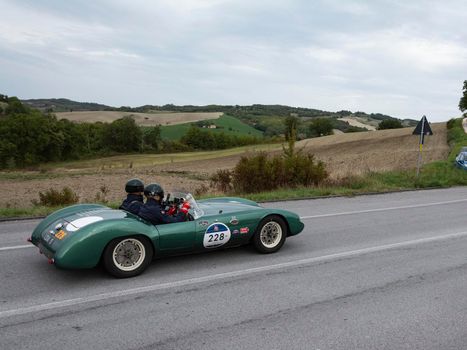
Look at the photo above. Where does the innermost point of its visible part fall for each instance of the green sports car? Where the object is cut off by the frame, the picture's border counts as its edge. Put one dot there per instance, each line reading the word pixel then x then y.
pixel 84 235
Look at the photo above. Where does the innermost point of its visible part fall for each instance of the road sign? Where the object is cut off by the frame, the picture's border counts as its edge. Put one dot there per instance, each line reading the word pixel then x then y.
pixel 423 128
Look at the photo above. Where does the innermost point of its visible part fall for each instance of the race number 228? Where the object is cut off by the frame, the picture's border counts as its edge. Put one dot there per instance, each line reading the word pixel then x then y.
pixel 216 237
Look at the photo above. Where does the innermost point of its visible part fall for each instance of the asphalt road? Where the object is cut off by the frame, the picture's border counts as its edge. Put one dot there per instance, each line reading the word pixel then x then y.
pixel 370 272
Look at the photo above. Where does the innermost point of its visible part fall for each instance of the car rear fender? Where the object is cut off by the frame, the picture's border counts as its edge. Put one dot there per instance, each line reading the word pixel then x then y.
pixel 85 247
pixel 59 214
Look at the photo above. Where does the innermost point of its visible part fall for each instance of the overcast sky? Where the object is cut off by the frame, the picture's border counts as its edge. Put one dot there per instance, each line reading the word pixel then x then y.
pixel 402 58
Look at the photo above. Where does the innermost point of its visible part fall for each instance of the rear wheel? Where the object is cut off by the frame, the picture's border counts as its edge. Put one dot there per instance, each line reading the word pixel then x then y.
pixel 127 256
pixel 270 234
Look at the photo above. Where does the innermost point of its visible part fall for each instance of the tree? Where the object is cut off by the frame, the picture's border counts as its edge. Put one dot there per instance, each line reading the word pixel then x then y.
pixel 291 126
pixel 152 137
pixel 123 135
pixel 463 100
pixel 390 124
pixel 321 127
pixel 15 106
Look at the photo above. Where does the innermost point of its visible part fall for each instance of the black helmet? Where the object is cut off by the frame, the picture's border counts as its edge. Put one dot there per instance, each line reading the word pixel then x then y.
pixel 153 190
pixel 134 185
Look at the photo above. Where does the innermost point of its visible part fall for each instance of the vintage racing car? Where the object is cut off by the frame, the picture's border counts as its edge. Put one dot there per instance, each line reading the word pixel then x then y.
pixel 84 235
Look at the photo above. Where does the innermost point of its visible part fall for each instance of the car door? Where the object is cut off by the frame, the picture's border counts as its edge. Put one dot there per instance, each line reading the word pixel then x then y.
pixel 222 230
pixel 176 237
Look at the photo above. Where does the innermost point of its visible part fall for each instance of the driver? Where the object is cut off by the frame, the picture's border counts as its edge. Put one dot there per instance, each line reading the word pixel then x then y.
pixel 153 211
pixel 134 199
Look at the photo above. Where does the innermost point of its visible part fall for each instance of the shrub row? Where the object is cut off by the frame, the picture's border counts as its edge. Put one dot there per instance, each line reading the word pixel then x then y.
pixel 260 172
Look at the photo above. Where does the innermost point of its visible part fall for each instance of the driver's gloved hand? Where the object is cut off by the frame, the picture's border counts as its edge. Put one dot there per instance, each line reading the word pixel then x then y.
pixel 185 207
pixel 172 210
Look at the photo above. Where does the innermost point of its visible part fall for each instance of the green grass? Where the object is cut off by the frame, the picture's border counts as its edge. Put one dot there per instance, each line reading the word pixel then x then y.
pixel 174 132
pixel 37 211
pixel 225 123
pixel 440 175
pixel 39 175
pixel 457 138
pixel 26 212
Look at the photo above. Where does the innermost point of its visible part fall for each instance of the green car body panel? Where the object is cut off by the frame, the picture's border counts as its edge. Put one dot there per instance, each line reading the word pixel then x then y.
pixel 76 236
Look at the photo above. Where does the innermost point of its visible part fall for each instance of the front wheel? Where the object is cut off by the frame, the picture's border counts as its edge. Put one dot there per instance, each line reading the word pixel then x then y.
pixel 127 256
pixel 270 234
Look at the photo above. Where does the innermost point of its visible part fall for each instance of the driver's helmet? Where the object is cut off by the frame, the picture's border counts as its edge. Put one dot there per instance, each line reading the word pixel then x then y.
pixel 134 185
pixel 153 190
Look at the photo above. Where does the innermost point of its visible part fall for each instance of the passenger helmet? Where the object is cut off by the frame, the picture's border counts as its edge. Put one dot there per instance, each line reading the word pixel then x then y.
pixel 153 190
pixel 134 185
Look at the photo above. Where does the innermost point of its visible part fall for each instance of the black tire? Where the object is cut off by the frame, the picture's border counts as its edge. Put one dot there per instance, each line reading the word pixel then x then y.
pixel 127 256
pixel 270 234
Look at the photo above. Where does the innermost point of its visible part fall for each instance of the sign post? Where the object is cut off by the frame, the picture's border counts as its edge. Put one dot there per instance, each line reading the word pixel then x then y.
pixel 423 128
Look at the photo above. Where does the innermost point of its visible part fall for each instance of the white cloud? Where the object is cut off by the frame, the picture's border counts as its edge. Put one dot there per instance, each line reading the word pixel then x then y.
pixel 379 56
pixel 400 45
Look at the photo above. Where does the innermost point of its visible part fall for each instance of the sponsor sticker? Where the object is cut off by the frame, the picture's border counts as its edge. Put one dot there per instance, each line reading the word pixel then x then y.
pixel 60 234
pixel 235 232
pixel 244 230
pixel 204 223
pixel 216 235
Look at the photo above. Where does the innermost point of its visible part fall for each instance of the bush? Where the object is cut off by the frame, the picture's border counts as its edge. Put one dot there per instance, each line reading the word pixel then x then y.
pixel 321 127
pixel 456 137
pixel 168 146
pixel 390 124
pixel 222 180
pixel 260 173
pixel 201 190
pixel 52 197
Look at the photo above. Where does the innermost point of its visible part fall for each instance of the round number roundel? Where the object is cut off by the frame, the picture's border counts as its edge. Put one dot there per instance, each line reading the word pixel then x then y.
pixel 216 234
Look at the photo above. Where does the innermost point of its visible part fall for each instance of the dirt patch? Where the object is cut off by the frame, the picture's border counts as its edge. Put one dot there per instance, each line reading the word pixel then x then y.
pixel 354 121
pixel 344 155
pixel 88 187
pixel 142 119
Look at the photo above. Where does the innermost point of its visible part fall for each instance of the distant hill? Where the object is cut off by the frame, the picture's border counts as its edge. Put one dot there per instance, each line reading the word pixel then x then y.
pixel 65 105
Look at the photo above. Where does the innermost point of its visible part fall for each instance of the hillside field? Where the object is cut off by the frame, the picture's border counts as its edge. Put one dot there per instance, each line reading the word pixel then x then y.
pixel 344 154
pixel 225 123
pixel 142 119
pixel 361 123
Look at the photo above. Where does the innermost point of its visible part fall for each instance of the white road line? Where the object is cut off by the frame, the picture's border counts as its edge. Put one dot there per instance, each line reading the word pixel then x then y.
pixel 221 276
pixel 17 247
pixel 383 209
